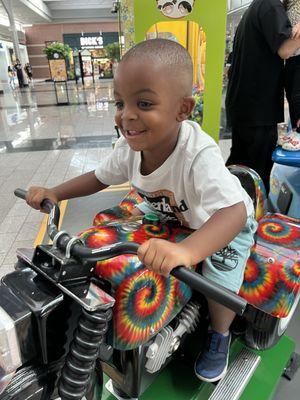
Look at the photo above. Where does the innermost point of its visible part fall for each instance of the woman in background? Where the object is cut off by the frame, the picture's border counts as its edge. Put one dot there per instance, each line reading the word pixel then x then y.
pixel 11 76
pixel 18 68
pixel 28 70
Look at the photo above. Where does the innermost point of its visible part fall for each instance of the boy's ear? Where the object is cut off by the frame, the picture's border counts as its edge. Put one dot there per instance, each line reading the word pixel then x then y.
pixel 186 108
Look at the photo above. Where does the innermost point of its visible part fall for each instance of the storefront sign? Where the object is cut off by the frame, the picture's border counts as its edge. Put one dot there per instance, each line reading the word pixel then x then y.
pixel 91 42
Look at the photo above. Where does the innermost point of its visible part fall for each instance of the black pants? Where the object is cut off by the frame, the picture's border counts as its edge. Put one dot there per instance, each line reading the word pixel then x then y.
pixel 292 87
pixel 20 78
pixel 253 146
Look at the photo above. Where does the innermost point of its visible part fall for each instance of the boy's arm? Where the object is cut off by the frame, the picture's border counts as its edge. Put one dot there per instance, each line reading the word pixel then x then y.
pixel 162 256
pixel 216 233
pixel 82 185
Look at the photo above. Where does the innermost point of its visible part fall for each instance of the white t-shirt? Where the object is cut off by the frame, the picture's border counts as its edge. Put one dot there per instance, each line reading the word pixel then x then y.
pixel 190 186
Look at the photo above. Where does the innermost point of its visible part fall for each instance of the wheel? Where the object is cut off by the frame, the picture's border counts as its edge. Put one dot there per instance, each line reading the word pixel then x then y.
pixel 265 330
pixel 40 383
pixel 34 383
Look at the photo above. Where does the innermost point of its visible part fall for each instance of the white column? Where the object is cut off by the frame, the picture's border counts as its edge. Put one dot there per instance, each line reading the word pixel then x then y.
pixel 13 29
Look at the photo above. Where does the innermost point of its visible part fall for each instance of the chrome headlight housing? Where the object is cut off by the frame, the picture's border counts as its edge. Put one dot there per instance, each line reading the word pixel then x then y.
pixel 10 356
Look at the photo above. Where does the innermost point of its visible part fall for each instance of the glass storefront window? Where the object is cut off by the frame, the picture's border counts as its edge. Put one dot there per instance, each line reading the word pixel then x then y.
pixel 238 3
pixel 235 4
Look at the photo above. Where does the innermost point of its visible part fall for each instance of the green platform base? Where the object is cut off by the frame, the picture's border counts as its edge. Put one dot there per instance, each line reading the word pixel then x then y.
pixel 178 382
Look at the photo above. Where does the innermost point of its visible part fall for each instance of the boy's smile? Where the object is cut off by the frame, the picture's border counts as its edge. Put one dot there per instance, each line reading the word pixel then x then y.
pixel 148 108
pixel 131 133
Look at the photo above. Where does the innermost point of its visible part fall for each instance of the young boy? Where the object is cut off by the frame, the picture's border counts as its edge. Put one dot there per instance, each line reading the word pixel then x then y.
pixel 179 171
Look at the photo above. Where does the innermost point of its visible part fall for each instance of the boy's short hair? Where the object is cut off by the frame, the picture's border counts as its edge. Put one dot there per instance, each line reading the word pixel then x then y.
pixel 166 53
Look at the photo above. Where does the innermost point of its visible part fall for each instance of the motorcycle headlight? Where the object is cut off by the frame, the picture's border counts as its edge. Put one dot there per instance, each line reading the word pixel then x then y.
pixel 10 357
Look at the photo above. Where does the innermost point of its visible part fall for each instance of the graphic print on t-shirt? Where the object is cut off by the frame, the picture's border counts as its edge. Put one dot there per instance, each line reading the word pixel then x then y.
pixel 164 202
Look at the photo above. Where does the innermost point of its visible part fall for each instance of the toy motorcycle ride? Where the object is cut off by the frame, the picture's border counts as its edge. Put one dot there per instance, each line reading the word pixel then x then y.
pixel 86 305
pixel 285 183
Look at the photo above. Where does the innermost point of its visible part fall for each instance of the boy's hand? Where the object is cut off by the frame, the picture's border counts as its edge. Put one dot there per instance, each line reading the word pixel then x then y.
pixel 35 196
pixel 162 256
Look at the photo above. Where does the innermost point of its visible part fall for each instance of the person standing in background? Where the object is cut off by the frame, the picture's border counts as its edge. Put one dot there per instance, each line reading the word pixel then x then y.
pixel 11 76
pixel 18 68
pixel 255 93
pixel 28 70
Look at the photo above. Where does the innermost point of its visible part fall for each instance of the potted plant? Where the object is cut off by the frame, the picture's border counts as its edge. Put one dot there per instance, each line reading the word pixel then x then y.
pixel 113 51
pixel 57 50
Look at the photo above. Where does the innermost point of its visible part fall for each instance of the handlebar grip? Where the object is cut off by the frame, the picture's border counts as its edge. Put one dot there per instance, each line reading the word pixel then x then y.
pixel 21 193
pixel 210 289
pixel 46 204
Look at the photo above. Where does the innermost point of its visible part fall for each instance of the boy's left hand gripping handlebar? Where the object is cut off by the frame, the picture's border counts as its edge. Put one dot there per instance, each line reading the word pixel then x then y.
pixel 191 278
pixel 46 204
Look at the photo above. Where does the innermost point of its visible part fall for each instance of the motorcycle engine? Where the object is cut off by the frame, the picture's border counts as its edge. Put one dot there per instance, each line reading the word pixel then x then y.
pixel 168 339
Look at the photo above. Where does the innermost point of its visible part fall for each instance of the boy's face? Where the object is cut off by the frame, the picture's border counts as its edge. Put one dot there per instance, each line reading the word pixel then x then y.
pixel 148 106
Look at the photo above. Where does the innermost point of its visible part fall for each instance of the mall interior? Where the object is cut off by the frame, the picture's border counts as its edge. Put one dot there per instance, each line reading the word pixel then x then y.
pixel 57 62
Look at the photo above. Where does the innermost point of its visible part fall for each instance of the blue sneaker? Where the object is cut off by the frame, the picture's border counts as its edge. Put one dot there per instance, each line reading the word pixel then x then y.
pixel 211 364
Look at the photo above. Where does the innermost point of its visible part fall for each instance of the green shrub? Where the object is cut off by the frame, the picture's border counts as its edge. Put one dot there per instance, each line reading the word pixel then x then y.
pixel 63 50
pixel 113 51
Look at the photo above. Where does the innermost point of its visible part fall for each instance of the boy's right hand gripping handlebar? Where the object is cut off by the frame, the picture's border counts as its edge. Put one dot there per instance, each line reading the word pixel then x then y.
pixel 196 281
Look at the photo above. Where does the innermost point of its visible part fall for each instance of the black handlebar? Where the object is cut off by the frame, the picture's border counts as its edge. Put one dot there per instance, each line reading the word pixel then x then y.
pixel 196 281
pixel 21 193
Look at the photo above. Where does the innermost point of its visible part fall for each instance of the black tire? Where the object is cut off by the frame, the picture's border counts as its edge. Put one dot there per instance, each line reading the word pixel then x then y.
pixel 40 383
pixel 34 383
pixel 265 330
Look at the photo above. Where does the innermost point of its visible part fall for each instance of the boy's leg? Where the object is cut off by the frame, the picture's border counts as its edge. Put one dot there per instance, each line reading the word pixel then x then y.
pixel 221 317
pixel 225 267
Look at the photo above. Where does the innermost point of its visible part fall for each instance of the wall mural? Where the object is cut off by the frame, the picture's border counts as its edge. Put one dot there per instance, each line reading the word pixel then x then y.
pixel 199 26
pixel 127 23
pixel 175 8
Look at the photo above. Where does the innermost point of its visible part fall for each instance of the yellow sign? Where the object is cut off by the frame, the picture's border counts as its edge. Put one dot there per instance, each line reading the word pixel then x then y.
pixel 58 70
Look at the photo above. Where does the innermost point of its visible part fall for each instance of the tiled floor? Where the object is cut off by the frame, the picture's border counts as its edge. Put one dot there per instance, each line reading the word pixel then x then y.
pixel 85 131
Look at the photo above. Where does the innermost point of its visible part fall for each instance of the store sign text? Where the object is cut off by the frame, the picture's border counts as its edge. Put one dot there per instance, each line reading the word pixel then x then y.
pixel 91 42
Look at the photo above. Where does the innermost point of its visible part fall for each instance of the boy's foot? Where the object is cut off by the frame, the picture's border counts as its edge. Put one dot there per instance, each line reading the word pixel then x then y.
pixel 211 364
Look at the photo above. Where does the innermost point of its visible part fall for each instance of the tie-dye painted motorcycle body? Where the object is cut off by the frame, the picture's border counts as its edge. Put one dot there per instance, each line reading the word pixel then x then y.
pixel 146 301
pixel 152 316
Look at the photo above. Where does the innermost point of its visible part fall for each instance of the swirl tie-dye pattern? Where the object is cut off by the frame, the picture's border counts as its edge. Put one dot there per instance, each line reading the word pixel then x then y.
pixel 144 304
pixel 146 301
pixel 272 274
pixel 280 230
